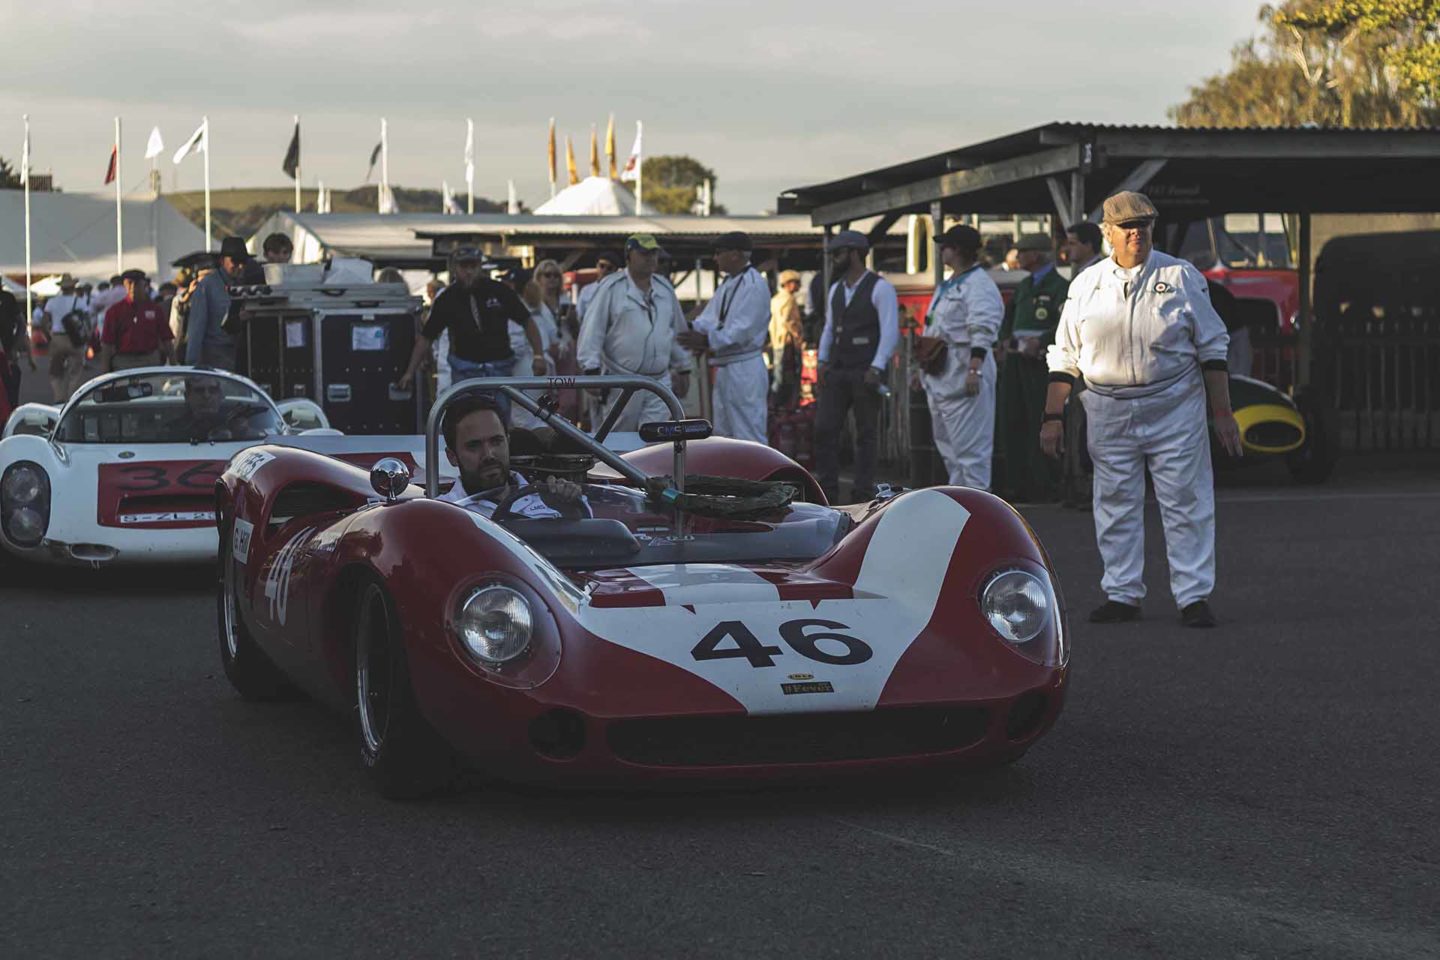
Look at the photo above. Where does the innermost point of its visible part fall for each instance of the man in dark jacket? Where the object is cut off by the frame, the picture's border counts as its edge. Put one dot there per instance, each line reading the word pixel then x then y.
pixel 207 342
pixel 1028 476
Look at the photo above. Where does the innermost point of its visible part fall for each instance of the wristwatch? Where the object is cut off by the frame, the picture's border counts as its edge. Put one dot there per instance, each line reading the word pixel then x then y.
pixel 1052 416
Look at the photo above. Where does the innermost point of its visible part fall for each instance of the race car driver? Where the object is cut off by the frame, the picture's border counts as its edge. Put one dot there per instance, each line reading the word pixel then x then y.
pixel 477 441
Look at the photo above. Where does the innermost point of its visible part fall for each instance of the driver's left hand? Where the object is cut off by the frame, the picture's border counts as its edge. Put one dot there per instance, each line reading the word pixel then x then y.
pixel 562 489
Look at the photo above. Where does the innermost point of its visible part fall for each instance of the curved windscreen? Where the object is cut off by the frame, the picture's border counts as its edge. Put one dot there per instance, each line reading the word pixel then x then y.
pixel 180 407
pixel 625 527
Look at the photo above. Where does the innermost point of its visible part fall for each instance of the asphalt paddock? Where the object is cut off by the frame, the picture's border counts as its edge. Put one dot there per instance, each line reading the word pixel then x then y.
pixel 1265 789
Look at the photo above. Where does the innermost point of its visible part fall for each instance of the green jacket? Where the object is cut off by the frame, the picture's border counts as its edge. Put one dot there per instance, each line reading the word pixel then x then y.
pixel 1037 307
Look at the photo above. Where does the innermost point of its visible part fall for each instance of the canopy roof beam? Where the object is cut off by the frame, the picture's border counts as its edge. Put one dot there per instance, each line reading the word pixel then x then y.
pixel 920 195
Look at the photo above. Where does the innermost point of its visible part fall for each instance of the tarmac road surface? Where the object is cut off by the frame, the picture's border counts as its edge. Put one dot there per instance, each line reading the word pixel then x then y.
pixel 1266 789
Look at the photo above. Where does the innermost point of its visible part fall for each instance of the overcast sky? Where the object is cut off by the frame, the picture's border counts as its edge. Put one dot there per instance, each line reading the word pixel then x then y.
pixel 770 94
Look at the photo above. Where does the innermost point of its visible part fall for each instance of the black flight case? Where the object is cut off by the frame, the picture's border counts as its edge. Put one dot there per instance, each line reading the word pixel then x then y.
pixel 343 346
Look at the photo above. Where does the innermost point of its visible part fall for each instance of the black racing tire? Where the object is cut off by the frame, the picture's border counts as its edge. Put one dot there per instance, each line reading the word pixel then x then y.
pixel 1315 460
pixel 404 756
pixel 253 674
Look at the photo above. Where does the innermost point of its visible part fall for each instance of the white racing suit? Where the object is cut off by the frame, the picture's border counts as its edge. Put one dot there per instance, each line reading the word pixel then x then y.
pixel 966 311
pixel 629 332
pixel 737 323
pixel 1141 339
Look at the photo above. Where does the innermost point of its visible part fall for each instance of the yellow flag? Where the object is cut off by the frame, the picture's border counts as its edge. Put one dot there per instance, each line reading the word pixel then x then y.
pixel 552 155
pixel 610 147
pixel 594 152
pixel 570 161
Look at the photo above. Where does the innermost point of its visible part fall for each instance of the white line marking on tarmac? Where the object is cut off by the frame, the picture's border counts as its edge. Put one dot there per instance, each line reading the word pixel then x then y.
pixel 1243 919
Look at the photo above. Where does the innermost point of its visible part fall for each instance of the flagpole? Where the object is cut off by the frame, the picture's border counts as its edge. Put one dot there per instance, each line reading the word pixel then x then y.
pixel 119 214
pixel 384 165
pixel 205 138
pixel 25 178
pixel 297 167
pixel 640 170
pixel 470 166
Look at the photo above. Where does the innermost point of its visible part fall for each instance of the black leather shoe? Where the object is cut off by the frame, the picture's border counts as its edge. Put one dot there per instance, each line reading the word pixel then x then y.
pixel 1113 611
pixel 1197 614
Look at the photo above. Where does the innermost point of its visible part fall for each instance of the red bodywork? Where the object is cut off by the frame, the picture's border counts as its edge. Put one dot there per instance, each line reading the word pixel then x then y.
pixel 967 696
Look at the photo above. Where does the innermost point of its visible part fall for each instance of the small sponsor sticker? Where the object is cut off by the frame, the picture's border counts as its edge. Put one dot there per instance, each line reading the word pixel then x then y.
pixel 801 676
pixel 240 540
pixel 809 686
pixel 248 462
pixel 1162 287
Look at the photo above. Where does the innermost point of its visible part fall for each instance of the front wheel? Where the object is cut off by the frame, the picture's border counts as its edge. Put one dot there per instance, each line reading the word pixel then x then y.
pixel 253 675
pixel 404 756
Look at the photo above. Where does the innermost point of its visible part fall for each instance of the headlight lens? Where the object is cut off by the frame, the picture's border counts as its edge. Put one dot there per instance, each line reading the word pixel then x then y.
pixel 495 624
pixel 25 503
pixel 1017 605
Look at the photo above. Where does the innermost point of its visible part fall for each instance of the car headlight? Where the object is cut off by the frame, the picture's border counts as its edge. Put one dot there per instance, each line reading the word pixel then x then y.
pixel 1017 604
pixel 495 624
pixel 25 503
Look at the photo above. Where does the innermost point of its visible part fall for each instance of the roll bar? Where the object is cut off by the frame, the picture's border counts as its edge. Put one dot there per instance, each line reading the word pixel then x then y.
pixel 512 387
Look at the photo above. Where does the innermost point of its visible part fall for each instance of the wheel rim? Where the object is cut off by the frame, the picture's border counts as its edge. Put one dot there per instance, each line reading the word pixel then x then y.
pixel 232 640
pixel 372 672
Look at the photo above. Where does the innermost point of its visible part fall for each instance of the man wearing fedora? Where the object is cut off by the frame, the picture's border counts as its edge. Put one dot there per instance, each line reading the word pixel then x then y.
pixel 1141 330
pixel 207 343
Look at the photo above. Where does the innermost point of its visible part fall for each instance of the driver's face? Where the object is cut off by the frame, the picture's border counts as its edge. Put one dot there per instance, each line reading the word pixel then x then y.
pixel 482 451
pixel 203 396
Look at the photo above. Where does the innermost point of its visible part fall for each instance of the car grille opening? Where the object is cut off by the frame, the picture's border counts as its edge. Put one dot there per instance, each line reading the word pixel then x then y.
pixel 558 734
pixel 1026 715
pixel 796 738
pixel 1272 434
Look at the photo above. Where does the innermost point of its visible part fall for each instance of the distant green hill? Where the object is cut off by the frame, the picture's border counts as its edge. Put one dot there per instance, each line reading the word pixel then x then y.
pixel 240 211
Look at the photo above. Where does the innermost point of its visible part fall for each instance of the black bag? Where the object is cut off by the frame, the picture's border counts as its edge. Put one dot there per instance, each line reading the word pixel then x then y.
pixel 77 326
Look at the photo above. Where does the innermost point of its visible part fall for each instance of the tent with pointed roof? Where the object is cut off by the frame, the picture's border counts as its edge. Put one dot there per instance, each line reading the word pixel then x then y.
pixel 592 197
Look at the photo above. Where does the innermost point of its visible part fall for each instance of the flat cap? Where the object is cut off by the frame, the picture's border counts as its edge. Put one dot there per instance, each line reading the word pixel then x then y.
pixel 850 240
pixel 1129 205
pixel 734 240
pixel 960 237
pixel 1035 242
pixel 135 276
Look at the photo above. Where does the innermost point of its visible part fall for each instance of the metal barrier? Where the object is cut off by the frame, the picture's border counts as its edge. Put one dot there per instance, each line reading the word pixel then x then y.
pixel 1384 375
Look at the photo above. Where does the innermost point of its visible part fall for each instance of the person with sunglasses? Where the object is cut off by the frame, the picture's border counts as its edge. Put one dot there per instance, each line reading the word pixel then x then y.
pixel 1141 330
pixel 606 264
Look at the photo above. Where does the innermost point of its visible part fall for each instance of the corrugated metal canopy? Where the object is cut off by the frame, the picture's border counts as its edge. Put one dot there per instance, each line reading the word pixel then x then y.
pixel 1186 171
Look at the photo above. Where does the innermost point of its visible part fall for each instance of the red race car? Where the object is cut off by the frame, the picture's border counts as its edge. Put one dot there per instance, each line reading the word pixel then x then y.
pixel 637 632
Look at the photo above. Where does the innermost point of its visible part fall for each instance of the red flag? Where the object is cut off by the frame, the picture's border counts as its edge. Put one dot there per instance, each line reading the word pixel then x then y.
pixel 110 170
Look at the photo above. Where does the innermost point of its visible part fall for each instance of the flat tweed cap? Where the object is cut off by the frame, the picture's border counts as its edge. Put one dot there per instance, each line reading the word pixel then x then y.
pixel 1129 205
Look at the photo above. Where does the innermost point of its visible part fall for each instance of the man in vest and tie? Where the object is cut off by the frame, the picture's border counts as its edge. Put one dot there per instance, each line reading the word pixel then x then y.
pixel 734 328
pixel 862 329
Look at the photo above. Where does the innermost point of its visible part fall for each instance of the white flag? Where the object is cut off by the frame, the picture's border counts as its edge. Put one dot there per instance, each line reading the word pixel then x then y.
pixel 447 199
pixel 512 203
pixel 387 199
pixel 632 166
pixel 25 156
pixel 156 146
pixel 196 142
pixel 470 152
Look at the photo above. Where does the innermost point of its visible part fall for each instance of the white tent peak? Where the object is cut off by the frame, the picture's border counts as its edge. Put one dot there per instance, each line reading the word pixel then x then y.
pixel 592 197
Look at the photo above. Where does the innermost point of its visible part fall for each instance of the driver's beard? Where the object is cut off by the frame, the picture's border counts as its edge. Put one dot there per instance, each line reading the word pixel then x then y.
pixel 474 481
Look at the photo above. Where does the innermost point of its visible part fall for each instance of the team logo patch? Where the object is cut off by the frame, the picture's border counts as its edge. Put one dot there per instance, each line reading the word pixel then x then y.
pixel 1042 313
pixel 1162 287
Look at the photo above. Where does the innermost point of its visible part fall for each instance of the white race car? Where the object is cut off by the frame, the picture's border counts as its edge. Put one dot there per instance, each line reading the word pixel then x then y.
pixel 125 472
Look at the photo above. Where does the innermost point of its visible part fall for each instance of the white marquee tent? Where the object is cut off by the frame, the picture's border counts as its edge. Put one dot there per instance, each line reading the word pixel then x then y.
pixel 75 233
pixel 592 197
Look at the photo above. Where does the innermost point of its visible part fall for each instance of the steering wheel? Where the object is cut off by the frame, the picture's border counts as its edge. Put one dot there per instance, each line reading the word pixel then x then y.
pixel 568 509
